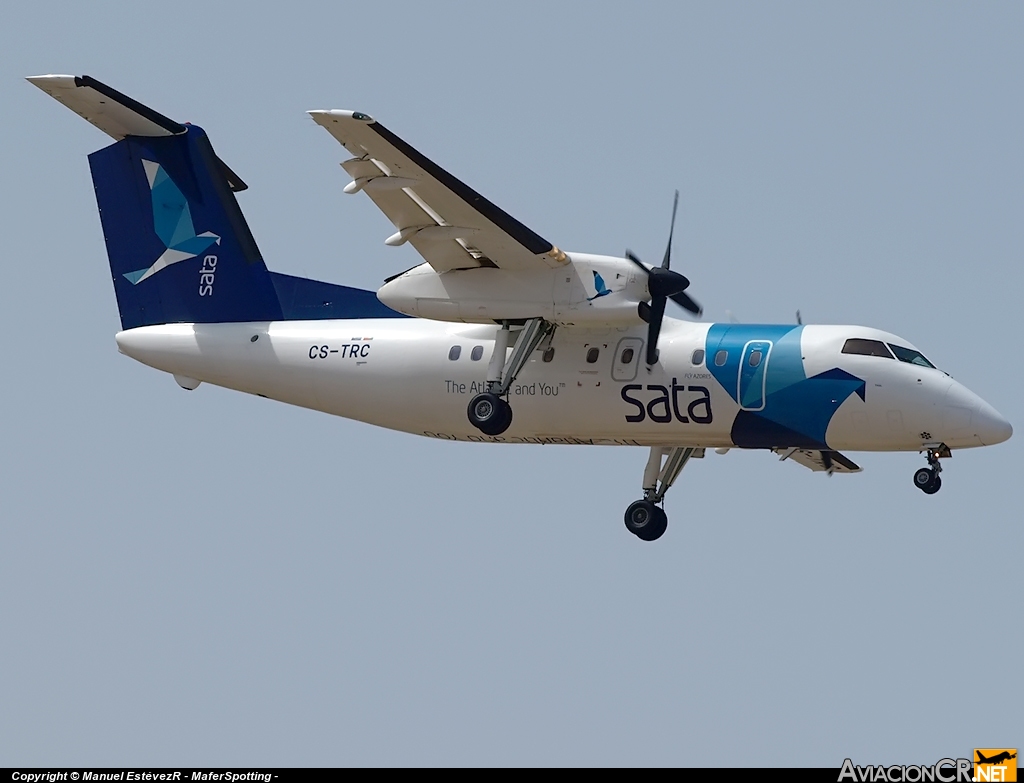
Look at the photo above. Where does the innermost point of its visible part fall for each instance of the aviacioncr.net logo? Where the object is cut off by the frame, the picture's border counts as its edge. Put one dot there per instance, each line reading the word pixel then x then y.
pixel 172 221
pixel 942 771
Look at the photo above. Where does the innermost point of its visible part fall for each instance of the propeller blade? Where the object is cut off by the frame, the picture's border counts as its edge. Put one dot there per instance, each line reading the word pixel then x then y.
pixel 654 329
pixel 687 303
pixel 644 311
pixel 671 229
pixel 662 284
pixel 637 261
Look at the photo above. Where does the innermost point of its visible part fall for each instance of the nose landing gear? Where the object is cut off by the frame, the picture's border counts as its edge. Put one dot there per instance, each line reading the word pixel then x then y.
pixel 927 479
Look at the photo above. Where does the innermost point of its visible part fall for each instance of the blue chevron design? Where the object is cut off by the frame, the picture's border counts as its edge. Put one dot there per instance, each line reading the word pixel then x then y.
pixel 797 409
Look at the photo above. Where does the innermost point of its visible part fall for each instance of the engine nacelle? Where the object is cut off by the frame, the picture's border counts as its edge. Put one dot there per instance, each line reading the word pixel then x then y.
pixel 588 291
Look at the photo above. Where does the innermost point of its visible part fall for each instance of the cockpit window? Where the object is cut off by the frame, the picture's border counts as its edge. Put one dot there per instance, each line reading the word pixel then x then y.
pixel 910 356
pixel 861 347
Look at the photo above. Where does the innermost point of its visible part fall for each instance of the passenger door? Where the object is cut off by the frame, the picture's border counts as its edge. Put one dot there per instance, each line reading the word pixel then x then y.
pixel 626 362
pixel 753 373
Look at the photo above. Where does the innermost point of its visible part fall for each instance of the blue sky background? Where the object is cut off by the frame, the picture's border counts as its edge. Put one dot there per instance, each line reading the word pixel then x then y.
pixel 214 579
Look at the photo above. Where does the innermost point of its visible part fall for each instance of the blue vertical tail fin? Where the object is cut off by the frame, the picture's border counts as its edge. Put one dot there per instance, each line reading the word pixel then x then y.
pixel 179 247
pixel 180 250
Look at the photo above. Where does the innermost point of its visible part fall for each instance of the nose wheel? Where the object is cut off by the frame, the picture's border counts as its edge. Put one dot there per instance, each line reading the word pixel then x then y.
pixel 927 479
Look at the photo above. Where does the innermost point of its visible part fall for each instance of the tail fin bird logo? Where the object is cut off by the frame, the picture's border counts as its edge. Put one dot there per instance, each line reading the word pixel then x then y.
pixel 599 286
pixel 172 221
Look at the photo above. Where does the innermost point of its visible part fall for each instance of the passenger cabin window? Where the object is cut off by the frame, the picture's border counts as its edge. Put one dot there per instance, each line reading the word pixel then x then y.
pixel 454 352
pixel 698 357
pixel 548 355
pixel 755 358
pixel 592 355
pixel 910 356
pixel 721 358
pixel 477 353
pixel 861 347
pixel 627 356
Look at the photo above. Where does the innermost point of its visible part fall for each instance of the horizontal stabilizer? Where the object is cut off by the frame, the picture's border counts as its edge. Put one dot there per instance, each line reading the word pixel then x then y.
pixel 115 113
pixel 820 461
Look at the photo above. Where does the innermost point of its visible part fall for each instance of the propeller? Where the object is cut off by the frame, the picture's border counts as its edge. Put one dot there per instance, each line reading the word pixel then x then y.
pixel 663 284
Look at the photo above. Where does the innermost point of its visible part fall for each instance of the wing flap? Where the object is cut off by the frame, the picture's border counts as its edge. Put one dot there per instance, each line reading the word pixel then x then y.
pixel 427 196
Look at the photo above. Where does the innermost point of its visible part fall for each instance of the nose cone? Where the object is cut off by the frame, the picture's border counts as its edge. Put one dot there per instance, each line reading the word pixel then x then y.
pixel 990 426
pixel 970 421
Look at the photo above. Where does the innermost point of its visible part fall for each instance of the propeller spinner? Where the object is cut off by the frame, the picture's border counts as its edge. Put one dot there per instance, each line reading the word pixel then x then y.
pixel 663 284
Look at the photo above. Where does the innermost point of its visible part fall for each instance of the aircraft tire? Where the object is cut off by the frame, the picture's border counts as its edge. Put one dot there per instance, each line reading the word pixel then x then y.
pixel 645 520
pixel 489 413
pixel 924 479
pixel 934 487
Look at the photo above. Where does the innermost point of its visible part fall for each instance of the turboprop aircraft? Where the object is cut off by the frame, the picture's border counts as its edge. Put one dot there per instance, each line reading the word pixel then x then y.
pixel 499 336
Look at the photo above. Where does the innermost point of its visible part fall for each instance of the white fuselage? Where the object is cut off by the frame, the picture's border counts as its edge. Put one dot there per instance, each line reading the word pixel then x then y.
pixel 396 373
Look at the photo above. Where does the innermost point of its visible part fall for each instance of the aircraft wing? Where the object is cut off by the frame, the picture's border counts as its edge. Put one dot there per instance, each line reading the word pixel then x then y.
pixel 828 461
pixel 450 224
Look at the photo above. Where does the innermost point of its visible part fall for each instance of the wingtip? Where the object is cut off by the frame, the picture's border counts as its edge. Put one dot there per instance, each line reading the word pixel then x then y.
pixel 51 80
pixel 324 116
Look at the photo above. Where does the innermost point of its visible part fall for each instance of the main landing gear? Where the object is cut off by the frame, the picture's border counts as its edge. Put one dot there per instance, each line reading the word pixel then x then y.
pixel 927 479
pixel 645 518
pixel 489 411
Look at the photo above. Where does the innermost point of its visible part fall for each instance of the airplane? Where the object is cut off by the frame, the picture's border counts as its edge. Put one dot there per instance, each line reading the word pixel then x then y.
pixel 497 319
pixel 996 759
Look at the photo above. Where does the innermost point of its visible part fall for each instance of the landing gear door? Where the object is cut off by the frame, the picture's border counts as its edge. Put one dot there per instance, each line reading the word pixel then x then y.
pixel 627 359
pixel 753 374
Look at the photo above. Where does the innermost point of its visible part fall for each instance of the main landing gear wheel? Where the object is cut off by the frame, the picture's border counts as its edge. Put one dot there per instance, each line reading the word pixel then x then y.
pixel 928 481
pixel 489 413
pixel 645 520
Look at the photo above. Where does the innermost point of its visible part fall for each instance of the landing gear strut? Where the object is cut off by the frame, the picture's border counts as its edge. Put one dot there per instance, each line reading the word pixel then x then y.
pixel 489 411
pixel 645 518
pixel 927 479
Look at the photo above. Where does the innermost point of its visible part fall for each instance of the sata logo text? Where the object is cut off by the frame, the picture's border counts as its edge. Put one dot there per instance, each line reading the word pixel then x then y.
pixel 207 272
pixel 666 404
